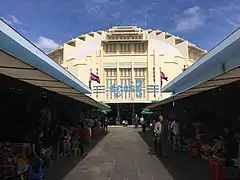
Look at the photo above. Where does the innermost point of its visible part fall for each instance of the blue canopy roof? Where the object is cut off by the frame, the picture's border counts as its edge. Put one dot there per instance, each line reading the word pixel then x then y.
pixel 20 59
pixel 16 45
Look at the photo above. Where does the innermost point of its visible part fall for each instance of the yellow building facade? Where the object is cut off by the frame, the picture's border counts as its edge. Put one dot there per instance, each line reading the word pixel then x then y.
pixel 128 61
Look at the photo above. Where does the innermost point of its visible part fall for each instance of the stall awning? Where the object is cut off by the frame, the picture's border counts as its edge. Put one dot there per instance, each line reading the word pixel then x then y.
pixel 222 58
pixel 223 79
pixel 20 59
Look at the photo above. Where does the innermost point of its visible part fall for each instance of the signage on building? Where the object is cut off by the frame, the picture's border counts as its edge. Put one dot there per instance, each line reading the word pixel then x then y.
pixel 117 90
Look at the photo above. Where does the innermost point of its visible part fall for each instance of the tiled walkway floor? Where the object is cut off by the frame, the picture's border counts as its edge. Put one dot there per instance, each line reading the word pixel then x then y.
pixel 121 155
pixel 124 155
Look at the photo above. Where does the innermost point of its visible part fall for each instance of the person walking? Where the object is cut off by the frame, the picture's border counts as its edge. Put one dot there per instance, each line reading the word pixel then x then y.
pixel 136 121
pixel 106 124
pixel 143 123
pixel 169 132
pixel 154 149
pixel 157 130
pixel 164 137
pixel 175 135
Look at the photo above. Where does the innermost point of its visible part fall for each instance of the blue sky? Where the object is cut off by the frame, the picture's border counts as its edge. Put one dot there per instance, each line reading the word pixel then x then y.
pixel 49 23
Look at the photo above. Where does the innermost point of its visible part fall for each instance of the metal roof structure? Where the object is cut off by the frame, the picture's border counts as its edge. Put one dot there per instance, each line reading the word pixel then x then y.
pixel 226 78
pixel 20 59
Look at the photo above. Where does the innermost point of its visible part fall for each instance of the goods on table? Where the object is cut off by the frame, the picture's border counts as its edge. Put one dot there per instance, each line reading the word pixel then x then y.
pixel 13 159
pixel 193 148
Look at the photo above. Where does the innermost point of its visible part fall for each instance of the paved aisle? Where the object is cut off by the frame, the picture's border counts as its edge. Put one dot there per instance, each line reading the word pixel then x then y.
pixel 121 155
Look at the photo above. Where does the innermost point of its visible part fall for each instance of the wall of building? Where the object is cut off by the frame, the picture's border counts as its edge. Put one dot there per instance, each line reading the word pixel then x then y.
pixel 121 62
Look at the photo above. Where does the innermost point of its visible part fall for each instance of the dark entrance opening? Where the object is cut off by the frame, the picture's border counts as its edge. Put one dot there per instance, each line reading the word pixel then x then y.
pixel 125 111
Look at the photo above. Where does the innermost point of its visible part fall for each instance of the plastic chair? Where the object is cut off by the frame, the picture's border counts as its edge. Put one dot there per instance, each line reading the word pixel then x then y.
pixel 219 171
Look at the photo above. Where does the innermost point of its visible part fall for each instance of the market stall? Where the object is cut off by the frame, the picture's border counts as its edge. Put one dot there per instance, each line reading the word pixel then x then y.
pixel 206 96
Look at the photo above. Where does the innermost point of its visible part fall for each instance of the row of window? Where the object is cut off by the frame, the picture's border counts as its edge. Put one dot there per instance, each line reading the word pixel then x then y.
pixel 126 72
pixel 125 47
pixel 140 72
pixel 110 72
pixel 124 37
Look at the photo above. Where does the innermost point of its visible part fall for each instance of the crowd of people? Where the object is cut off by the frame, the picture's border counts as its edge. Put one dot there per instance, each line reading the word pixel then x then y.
pixel 165 133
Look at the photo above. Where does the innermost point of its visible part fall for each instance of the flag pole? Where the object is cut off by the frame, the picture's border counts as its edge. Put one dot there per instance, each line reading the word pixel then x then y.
pixel 154 61
pixel 90 80
pixel 160 83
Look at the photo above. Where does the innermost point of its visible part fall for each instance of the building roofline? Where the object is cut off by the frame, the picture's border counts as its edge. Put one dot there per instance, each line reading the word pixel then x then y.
pixel 208 61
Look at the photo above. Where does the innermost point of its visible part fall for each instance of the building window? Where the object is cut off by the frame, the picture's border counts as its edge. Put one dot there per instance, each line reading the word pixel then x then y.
pixel 110 72
pixel 112 48
pixel 136 47
pixel 140 72
pixel 125 72
pixel 125 47
pixel 125 81
pixel 110 82
pixel 110 79
pixel 139 47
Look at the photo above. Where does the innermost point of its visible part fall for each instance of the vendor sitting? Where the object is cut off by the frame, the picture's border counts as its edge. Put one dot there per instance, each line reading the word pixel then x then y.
pixel 227 149
pixel 218 148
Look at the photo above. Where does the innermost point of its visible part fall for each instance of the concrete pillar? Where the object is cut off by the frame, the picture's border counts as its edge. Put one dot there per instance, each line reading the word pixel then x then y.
pixel 118 111
pixel 133 110
pixel 133 114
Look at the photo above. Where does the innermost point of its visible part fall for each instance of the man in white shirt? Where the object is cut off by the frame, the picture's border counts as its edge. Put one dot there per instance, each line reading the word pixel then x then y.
pixel 143 123
pixel 176 135
pixel 158 131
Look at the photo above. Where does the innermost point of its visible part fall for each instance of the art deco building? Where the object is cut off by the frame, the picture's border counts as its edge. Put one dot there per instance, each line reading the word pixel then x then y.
pixel 129 62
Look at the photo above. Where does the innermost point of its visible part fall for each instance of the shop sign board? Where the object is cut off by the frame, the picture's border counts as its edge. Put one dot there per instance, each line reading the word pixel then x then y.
pixel 117 90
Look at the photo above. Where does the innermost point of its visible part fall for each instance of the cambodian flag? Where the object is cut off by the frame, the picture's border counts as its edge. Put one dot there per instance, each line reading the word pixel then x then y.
pixel 94 77
pixel 162 76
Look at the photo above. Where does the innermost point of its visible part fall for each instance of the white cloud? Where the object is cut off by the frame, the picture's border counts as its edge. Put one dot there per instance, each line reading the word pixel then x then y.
pixel 12 20
pixel 229 15
pixel 100 1
pixel 102 8
pixel 46 44
pixel 15 20
pixel 190 19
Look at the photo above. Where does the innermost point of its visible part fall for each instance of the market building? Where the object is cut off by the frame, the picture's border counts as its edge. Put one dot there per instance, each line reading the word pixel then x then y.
pixel 131 63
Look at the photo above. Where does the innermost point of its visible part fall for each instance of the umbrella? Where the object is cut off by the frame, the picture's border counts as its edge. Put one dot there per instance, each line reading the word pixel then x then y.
pixel 146 112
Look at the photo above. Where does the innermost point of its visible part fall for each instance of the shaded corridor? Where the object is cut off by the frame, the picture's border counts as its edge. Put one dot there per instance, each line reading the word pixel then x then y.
pixel 121 155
